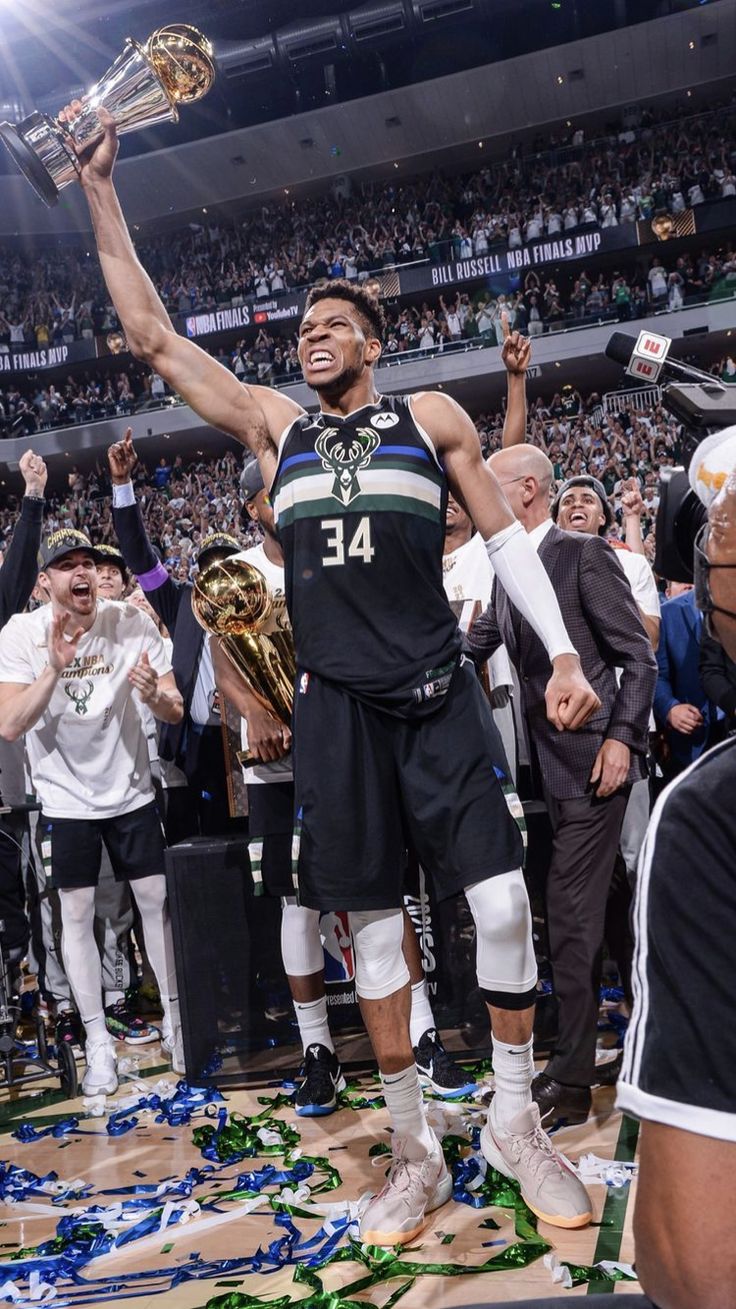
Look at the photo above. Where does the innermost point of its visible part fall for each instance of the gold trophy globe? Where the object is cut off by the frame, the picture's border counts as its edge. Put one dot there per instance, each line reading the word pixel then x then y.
pixel 231 599
pixel 144 86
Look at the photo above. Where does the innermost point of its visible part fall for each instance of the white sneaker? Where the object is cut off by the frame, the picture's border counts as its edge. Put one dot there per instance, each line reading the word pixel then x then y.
pixel 549 1184
pixel 101 1075
pixel 413 1189
pixel 173 1045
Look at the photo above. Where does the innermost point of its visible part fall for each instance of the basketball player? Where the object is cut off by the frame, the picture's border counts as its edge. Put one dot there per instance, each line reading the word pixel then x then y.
pixel 271 829
pixel 67 676
pixel 391 729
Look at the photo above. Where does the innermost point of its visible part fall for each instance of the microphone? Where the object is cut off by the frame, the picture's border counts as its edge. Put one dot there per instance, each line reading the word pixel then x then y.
pixel 632 353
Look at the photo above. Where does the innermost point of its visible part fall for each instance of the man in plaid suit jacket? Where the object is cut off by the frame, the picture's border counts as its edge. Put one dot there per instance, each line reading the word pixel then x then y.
pixel 586 775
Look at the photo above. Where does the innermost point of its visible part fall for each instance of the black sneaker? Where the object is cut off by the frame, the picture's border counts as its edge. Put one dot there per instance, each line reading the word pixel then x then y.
pixel 68 1029
pixel 317 1094
pixel 127 1027
pixel 437 1068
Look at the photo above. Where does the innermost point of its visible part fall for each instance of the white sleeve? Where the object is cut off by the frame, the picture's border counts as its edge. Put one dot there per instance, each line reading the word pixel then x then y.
pixel 643 586
pixel 523 577
pixel 15 665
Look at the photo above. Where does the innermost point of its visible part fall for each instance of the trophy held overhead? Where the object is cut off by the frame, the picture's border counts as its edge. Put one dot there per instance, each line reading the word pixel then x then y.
pixel 144 86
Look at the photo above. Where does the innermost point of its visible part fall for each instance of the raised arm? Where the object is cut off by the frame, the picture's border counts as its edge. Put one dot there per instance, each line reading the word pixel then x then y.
pixel 254 415
pixel 20 568
pixel 516 353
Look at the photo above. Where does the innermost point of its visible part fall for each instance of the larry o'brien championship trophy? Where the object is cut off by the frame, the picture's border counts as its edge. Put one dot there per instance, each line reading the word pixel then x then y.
pixel 232 600
pixel 145 86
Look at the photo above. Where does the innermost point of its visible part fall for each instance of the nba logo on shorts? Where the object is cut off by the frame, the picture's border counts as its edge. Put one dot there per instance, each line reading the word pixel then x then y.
pixel 337 942
pixel 304 683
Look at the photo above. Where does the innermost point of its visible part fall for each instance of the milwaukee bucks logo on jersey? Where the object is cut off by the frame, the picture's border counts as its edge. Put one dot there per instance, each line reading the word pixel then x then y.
pixel 80 695
pixel 345 456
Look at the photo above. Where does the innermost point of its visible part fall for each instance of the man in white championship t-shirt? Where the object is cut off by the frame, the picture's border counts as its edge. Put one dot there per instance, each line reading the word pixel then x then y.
pixel 72 677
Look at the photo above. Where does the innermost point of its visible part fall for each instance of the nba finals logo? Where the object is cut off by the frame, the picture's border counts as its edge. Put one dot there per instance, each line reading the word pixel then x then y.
pixel 345 456
pixel 338 947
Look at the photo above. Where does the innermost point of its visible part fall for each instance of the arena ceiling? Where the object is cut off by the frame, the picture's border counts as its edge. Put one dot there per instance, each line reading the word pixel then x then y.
pixel 278 58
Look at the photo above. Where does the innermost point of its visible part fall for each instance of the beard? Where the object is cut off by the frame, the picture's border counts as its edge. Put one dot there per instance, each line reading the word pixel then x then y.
pixel 337 386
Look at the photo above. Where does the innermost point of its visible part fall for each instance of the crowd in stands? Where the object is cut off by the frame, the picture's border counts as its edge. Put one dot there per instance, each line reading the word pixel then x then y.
pixel 458 320
pixel 182 500
pixel 49 297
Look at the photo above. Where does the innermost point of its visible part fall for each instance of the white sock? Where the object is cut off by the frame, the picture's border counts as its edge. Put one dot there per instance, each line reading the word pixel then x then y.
pixel 313 1026
pixel 413 1137
pixel 113 997
pixel 513 1069
pixel 82 959
pixel 150 896
pixel 421 1018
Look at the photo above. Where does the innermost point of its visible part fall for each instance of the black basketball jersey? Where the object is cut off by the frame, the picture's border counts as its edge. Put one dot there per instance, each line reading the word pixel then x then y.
pixel 360 509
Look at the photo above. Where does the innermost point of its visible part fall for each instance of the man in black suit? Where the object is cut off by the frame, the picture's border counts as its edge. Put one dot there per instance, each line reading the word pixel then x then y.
pixel 586 775
pixel 195 744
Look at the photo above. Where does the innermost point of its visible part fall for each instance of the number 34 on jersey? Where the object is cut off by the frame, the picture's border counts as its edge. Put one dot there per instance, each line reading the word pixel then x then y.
pixel 358 547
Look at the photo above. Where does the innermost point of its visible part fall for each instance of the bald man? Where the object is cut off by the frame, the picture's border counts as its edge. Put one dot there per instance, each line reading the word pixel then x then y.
pixel 586 776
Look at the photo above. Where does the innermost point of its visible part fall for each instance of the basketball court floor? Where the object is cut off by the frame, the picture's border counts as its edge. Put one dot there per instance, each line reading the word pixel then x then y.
pixel 173 1212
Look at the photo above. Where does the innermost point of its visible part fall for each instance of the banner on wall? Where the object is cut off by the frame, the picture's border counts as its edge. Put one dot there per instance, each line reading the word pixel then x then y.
pixel 252 313
pixel 53 356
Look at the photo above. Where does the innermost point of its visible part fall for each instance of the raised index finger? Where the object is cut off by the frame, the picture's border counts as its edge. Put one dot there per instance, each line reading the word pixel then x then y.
pixel 505 325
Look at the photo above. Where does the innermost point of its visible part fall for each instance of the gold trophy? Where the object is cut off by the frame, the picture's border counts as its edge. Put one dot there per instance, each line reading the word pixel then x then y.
pixel 144 86
pixel 231 599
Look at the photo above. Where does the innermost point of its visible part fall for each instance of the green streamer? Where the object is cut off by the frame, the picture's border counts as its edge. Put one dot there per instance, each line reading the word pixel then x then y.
pixel 240 1136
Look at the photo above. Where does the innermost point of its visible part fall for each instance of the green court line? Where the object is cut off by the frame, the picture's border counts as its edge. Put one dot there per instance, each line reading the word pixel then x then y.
pixel 12 1110
pixel 610 1233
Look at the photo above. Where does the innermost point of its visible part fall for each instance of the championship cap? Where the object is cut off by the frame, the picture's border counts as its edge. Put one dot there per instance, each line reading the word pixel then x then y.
pixel 251 480
pixel 217 541
pixel 585 479
pixel 712 464
pixel 63 542
pixel 111 555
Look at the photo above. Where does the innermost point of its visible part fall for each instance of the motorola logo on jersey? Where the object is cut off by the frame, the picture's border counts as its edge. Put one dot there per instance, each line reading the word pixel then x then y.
pixel 382 421
pixel 345 456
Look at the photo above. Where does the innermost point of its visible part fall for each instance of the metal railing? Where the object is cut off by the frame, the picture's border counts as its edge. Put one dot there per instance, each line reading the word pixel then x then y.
pixel 638 398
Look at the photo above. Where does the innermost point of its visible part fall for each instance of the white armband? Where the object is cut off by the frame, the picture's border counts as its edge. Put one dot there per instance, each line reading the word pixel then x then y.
pixel 123 496
pixel 523 577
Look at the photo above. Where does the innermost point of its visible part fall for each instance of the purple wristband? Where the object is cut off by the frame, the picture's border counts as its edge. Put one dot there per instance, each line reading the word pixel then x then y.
pixel 152 580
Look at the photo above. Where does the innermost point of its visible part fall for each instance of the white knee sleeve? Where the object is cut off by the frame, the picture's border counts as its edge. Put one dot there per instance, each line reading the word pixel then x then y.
pixel 503 926
pixel 301 943
pixel 380 967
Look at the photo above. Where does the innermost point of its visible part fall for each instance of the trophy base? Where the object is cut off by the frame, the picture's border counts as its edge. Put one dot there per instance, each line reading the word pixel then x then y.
pixel 30 165
pixel 35 139
pixel 247 760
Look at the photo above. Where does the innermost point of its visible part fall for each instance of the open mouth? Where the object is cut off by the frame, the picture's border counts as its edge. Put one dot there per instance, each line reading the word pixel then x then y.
pixel 81 591
pixel 320 360
pixel 578 519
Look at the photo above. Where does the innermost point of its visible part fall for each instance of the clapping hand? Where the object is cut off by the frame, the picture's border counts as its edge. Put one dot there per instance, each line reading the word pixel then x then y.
pixel 62 648
pixel 144 679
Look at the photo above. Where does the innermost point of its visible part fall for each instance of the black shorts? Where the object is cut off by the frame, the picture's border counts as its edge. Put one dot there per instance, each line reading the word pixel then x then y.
pixel 681 1044
pixel 72 847
pixel 271 838
pixel 369 784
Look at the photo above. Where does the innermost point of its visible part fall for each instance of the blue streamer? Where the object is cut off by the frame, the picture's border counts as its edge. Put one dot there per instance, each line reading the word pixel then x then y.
pixel 18 1184
pixel 26 1132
